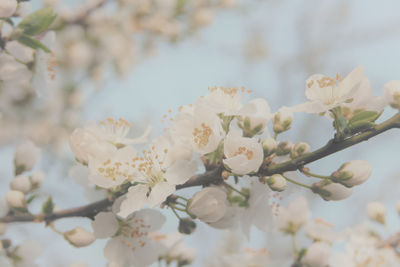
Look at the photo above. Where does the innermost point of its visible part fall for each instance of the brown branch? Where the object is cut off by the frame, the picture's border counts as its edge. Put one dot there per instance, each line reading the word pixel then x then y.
pixel 213 176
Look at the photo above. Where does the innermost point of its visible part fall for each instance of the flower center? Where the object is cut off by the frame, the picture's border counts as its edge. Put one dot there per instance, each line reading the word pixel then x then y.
pixel 202 136
pixel 139 230
pixel 244 151
pixel 112 170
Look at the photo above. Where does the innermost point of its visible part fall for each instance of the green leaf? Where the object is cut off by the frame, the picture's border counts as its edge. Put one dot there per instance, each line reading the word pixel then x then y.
pixel 369 116
pixel 32 43
pixel 48 207
pixel 38 21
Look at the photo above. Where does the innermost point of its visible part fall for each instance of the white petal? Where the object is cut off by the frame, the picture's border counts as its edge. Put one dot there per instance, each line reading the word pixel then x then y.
pixel 135 199
pixel 160 192
pixel 104 225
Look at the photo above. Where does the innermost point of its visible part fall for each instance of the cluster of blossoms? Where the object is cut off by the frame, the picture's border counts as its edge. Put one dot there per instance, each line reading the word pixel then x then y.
pixel 92 38
pixel 361 245
pixel 23 190
pixel 228 137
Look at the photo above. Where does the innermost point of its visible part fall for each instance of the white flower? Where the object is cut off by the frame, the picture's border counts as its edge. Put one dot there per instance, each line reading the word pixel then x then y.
pixel 208 204
pixel 27 253
pixel 283 119
pixel 258 212
pixel 229 220
pixel 362 249
pixel 392 93
pixel 133 245
pixel 223 100
pixel 327 93
pixel 255 115
pixel 157 172
pixel 79 237
pixel 243 155
pixel 113 169
pixel 101 139
pixel 276 182
pixel 25 157
pixel 21 183
pixel 320 230
pixel 292 217
pixel 376 211
pixel 331 191
pixel 353 173
pixel 317 255
pixel 200 128
pixel 19 51
pixel 7 8
pixel 15 199
pixel 177 249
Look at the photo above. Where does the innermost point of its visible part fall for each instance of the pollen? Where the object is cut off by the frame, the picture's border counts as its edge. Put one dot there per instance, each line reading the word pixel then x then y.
pixel 202 136
pixel 244 151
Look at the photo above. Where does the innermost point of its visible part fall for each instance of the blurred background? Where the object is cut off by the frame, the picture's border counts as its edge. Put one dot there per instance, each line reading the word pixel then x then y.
pixel 269 46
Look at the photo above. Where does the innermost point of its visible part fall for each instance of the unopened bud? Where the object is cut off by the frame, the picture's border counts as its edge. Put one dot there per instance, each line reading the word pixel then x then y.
pixel 300 149
pixel 283 148
pixel 277 183
pixel 352 173
pixel 392 94
pixel 283 119
pixel 376 211
pixel 208 205
pixel 269 146
pixel 21 183
pixel 186 226
pixel 37 178
pixel 7 8
pixel 15 199
pixel 331 191
pixel 25 157
pixel 79 237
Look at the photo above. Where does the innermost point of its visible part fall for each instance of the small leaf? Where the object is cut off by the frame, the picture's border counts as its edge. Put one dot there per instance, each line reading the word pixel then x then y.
pixel 32 43
pixel 48 207
pixel 369 116
pixel 38 21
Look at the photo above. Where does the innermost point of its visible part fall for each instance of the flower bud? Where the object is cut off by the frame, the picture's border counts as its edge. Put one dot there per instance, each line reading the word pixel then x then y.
pixel 352 173
pixel 79 237
pixel 269 146
pixel 283 148
pixel 331 191
pixel 21 183
pixel 277 183
pixel 15 199
pixel 376 211
pixel 208 205
pixel 254 116
pixel 392 93
pixel 283 119
pixel 37 178
pixel 317 255
pixel 186 226
pixel 25 157
pixel 300 149
pixel 7 8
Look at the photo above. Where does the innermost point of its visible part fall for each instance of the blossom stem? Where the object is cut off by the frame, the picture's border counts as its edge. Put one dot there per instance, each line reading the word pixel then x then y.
pixel 295 182
pixel 275 135
pixel 185 199
pixel 176 214
pixel 314 175
pixel 236 190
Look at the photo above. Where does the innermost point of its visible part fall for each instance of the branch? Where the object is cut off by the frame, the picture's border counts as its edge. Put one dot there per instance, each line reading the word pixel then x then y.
pixel 213 176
